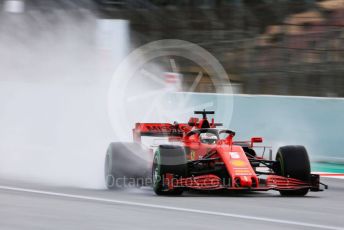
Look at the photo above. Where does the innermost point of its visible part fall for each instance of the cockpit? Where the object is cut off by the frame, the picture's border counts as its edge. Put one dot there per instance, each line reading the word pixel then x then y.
pixel 208 138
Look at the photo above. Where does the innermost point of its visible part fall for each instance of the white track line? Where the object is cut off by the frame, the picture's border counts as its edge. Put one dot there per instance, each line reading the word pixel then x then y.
pixel 122 202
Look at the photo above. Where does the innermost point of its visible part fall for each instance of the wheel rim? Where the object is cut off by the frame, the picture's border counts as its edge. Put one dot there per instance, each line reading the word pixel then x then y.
pixel 280 160
pixel 107 166
pixel 109 177
pixel 156 172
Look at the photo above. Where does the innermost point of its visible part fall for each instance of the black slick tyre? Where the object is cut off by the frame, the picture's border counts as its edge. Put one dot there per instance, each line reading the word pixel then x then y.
pixel 168 159
pixel 126 164
pixel 293 163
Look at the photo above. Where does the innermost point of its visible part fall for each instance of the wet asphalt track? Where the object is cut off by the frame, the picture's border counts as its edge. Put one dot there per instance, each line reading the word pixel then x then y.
pixel 45 207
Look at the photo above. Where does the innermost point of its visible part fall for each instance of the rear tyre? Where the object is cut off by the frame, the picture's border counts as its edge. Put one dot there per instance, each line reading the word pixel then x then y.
pixel 293 163
pixel 126 164
pixel 168 159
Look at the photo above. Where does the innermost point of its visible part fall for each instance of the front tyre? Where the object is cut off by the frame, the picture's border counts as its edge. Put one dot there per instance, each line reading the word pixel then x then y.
pixel 294 163
pixel 168 159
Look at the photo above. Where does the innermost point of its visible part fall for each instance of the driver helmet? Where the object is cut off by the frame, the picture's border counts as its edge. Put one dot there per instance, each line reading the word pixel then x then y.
pixel 208 138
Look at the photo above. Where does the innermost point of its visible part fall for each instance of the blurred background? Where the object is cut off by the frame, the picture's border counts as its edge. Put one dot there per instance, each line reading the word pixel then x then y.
pixel 267 47
pixel 280 47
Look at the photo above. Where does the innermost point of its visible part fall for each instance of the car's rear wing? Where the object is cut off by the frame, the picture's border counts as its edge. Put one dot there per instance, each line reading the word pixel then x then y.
pixel 159 130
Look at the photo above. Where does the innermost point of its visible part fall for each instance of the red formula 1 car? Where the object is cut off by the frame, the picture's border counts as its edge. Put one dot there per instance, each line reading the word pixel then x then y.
pixel 200 156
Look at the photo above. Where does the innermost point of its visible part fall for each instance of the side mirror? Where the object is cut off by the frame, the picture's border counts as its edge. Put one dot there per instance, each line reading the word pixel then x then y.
pixel 256 140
